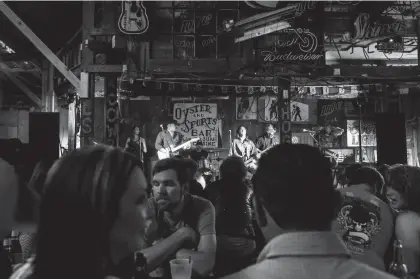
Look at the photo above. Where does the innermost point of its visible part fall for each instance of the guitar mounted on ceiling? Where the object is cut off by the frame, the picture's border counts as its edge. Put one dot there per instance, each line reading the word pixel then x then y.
pixel 133 19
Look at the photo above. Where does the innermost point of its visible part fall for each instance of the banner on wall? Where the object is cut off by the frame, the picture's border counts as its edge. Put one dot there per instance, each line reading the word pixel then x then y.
pixel 368 133
pixel 198 120
pixel 331 112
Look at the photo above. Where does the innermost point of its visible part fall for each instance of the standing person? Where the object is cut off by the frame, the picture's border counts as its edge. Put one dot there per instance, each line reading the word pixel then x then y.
pixel 295 203
pixel 92 217
pixel 231 197
pixel 242 146
pixel 268 139
pixel 168 139
pixel 403 193
pixel 365 222
pixel 136 145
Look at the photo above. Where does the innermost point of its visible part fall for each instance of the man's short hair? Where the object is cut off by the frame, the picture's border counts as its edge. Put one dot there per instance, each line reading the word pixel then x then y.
pixel 295 184
pixel 177 164
pixel 369 176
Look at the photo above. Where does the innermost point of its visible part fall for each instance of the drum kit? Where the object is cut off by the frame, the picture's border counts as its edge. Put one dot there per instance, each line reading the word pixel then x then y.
pixel 209 167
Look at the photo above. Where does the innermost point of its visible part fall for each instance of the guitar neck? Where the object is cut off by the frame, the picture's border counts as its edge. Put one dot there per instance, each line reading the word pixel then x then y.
pixel 181 146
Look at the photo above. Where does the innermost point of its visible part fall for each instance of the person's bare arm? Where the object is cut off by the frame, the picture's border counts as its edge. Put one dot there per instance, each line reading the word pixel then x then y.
pixel 408 233
pixel 204 256
pixel 127 143
pixel 203 259
pixel 144 146
pixel 157 254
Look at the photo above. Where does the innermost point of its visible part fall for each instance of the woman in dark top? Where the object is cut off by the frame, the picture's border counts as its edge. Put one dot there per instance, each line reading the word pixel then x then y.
pixel 91 218
pixel 136 145
pixel 232 199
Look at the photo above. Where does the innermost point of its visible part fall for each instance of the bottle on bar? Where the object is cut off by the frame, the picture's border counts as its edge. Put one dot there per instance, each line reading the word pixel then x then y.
pixel 140 266
pixel 7 248
pixel 16 249
pixel 397 266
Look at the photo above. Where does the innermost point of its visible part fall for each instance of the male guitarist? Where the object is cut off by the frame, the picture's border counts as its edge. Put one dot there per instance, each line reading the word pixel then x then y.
pixel 169 138
pixel 244 148
pixel 267 140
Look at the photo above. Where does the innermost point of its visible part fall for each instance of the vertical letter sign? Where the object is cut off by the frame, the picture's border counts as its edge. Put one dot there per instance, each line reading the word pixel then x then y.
pixel 285 116
pixel 111 112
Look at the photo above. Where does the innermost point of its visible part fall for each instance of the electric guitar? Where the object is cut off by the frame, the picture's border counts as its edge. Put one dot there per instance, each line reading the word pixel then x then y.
pixel 338 157
pixel 169 152
pixel 133 18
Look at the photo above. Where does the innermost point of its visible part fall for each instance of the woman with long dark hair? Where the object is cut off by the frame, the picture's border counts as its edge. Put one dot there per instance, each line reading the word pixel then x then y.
pixel 91 218
pixel 136 145
pixel 36 187
pixel 232 199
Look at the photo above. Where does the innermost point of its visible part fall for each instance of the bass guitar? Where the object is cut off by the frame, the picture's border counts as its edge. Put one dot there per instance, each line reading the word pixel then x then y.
pixel 169 152
pixel 133 19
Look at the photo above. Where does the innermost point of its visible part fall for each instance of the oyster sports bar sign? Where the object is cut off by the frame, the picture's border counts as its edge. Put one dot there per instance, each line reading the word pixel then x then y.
pixel 364 30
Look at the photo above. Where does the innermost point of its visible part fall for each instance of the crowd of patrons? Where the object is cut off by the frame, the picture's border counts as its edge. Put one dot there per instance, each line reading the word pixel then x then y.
pixel 93 212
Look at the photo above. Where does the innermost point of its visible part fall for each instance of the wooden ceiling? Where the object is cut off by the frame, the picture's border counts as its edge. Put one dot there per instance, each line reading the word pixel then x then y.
pixel 53 22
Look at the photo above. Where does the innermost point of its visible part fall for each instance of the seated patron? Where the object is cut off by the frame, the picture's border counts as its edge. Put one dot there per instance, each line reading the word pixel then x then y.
pixel 364 221
pixel 92 217
pixel 295 203
pixel 183 225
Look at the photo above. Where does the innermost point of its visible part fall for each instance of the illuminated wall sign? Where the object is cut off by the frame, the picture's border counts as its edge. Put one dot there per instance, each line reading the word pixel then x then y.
pixel 285 121
pixel 364 31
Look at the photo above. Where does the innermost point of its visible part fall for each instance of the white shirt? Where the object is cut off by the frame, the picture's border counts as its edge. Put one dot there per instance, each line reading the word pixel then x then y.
pixel 308 255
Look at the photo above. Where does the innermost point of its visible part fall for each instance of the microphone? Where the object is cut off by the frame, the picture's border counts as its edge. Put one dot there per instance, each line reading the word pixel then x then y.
pixel 309 131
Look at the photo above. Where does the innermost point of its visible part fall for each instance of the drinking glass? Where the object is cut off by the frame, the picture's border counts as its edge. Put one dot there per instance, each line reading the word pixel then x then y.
pixel 181 268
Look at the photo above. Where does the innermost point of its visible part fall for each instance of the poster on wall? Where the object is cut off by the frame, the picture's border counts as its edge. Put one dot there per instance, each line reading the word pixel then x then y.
pixel 270 109
pixel 331 112
pixel 198 120
pixel 299 111
pixel 246 108
pixel 368 133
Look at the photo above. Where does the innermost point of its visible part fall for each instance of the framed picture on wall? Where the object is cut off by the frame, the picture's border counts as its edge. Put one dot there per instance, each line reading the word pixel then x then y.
pixel 246 108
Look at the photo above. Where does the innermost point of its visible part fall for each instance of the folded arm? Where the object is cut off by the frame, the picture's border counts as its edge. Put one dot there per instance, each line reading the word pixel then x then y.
pixel 157 254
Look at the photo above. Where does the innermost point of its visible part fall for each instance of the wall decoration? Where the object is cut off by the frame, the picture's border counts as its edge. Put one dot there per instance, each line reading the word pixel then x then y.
pixel 285 118
pixel 133 18
pixel 300 112
pixel 198 120
pixel 270 109
pixel 331 112
pixel 368 133
pixel 246 108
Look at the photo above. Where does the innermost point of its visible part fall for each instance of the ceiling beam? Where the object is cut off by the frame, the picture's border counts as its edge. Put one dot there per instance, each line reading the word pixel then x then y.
pixel 20 85
pixel 61 67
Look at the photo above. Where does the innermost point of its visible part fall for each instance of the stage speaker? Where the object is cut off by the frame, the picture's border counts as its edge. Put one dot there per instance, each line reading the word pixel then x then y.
pixel 44 136
pixel 391 138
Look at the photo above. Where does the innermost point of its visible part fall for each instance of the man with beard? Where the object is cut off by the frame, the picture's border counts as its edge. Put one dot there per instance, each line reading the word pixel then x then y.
pixel 268 139
pixel 183 225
